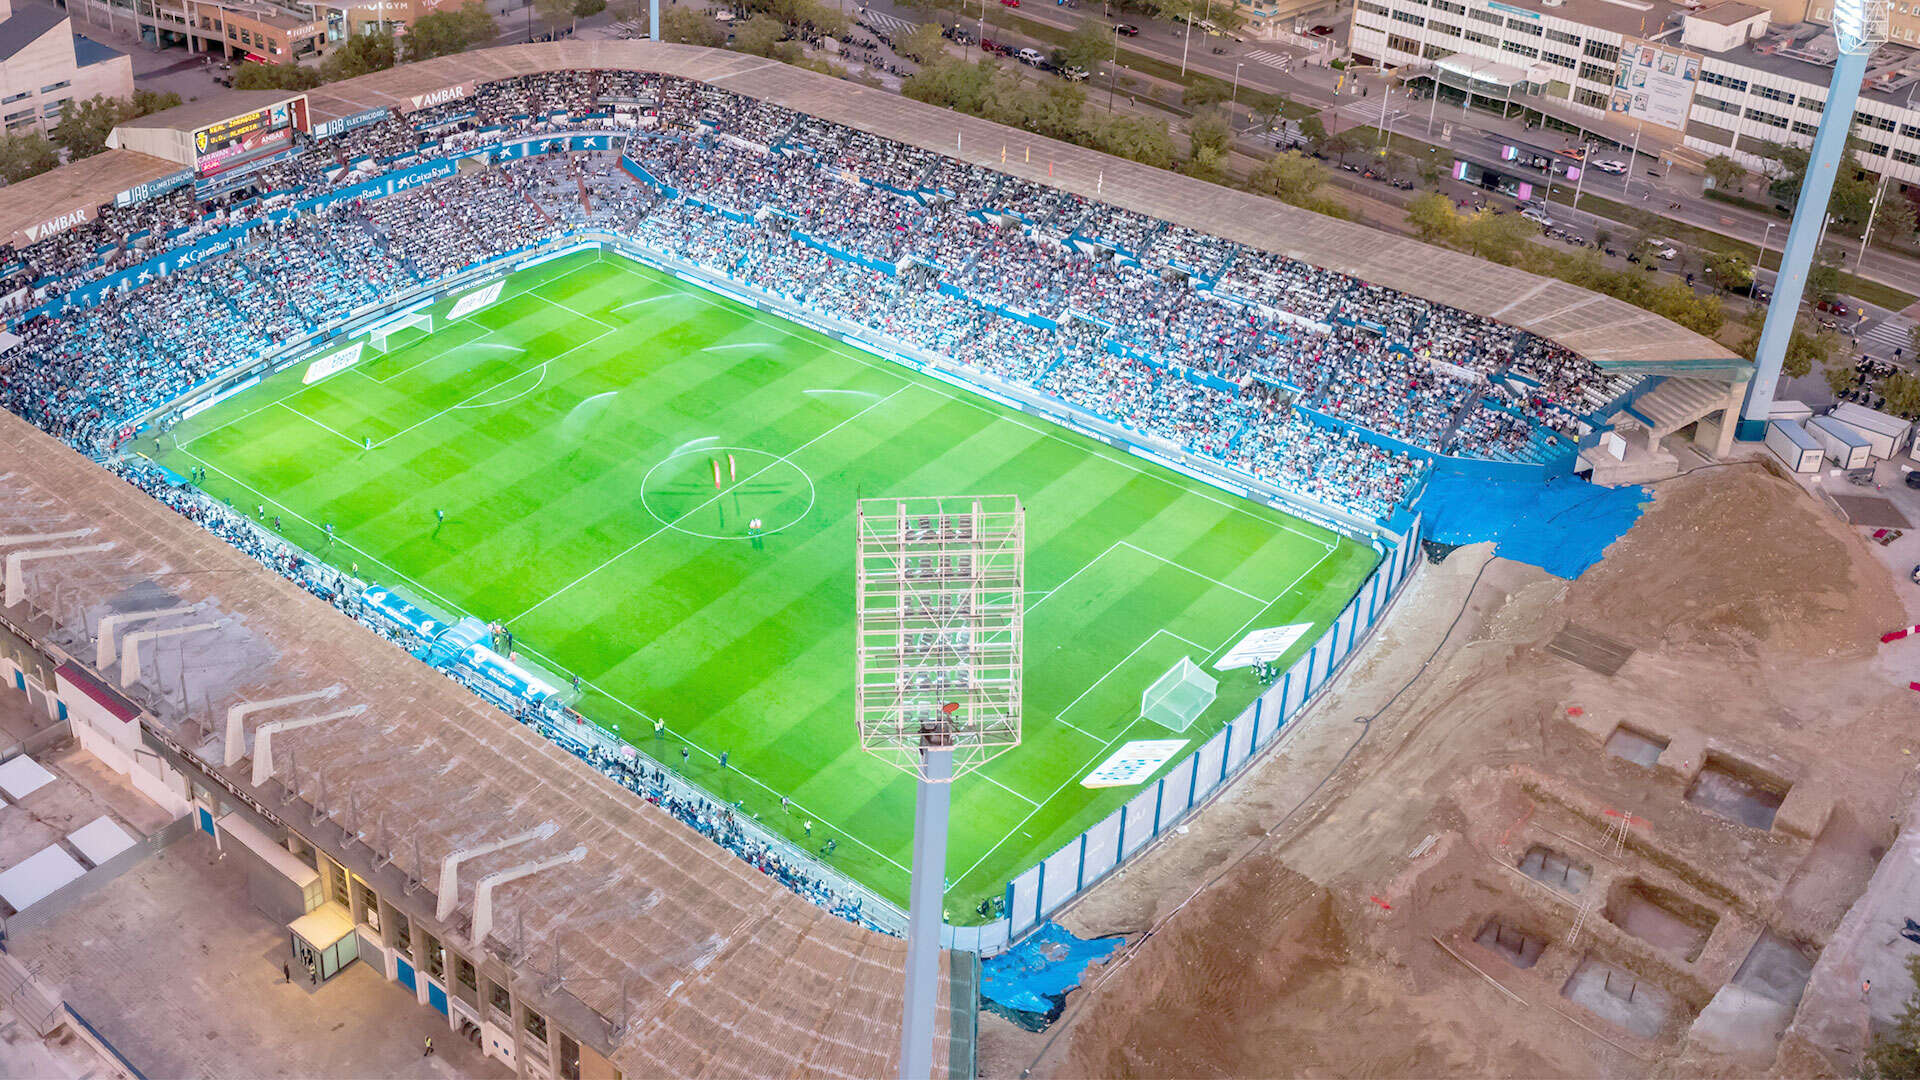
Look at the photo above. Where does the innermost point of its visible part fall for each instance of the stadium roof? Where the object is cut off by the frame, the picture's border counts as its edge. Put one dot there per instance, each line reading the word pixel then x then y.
pixel 1599 327
pixel 80 188
pixel 719 970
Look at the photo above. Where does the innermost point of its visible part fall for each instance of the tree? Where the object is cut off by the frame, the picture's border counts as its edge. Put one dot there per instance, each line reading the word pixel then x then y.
pixel 1894 223
pixel 760 35
pixel 924 43
pixel 1090 44
pixel 1895 1051
pixel 1902 391
pixel 1209 130
pixel 370 50
pixel 1266 108
pixel 449 31
pixel 1201 93
pixel 1291 177
pixel 691 26
pixel 1823 280
pixel 1729 269
pixel 85 125
pixel 1137 138
pixel 22 156
pixel 1852 191
pixel 1207 163
pixel 252 76
pixel 1338 145
pixel 1840 377
pixel 1496 236
pixel 1726 173
pixel 1314 130
pixel 1433 218
pixel 1807 348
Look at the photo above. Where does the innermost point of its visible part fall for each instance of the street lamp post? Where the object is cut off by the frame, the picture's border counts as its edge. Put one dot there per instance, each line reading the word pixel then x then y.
pixel 1187 43
pixel 1235 96
pixel 1113 70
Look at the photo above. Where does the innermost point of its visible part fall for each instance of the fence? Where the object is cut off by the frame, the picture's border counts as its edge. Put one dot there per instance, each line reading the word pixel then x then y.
pixel 1100 850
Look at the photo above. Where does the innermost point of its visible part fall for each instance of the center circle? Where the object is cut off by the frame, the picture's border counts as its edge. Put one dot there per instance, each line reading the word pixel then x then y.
pixel 719 492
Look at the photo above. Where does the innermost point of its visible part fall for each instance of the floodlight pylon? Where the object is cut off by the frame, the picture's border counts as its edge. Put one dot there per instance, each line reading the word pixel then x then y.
pixel 940 606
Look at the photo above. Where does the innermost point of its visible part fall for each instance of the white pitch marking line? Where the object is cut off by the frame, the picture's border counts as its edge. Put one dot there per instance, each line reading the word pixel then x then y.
pixel 711 499
pixel 710 755
pixel 320 424
pixel 780 324
pixel 1190 570
pixel 615 698
pixel 1006 789
pixel 537 383
pixel 488 389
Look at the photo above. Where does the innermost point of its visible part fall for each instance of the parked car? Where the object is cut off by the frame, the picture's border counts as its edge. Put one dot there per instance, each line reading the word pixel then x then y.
pixel 1663 249
pixel 1322 30
pixel 1030 57
pixel 1073 73
pixel 1009 3
pixel 1537 215
pixel 1126 29
pixel 1617 168
pixel 1913 479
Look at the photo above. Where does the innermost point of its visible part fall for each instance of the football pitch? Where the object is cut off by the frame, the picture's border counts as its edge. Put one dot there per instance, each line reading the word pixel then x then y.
pixel 571 432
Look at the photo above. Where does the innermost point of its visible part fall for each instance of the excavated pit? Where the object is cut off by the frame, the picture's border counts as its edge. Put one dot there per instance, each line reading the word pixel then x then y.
pixel 1661 917
pixel 1639 747
pixel 1516 947
pixel 1550 867
pixel 1738 791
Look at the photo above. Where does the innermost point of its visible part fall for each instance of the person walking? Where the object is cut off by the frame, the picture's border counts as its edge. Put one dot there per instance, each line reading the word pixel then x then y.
pixel 683 757
pixel 428 1052
pixel 723 759
pixel 286 973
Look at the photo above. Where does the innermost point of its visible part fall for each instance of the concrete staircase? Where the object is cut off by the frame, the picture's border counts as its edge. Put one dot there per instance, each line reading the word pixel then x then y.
pixel 1680 401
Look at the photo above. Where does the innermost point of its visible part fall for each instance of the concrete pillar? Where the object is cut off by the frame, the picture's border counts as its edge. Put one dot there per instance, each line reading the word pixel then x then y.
pixel 104 651
pixel 16 566
pixel 1803 234
pixel 932 801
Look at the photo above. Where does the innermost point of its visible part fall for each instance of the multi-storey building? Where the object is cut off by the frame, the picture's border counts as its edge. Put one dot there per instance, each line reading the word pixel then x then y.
pixel 263 31
pixel 44 65
pixel 1688 83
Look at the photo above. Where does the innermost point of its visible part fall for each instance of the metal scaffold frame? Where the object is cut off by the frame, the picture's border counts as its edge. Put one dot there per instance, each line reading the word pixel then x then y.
pixel 940 603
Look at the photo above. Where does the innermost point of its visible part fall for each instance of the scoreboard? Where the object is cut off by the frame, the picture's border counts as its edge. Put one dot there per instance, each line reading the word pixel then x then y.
pixel 229 143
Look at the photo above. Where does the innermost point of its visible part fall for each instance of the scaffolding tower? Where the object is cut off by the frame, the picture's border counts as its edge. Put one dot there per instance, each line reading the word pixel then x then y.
pixel 940 604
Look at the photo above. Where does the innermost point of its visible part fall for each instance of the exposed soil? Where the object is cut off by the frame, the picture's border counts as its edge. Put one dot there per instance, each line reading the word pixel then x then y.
pixel 1291 931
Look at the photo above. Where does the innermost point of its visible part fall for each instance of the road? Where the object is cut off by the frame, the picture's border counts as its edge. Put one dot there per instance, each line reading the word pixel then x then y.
pixel 1476 136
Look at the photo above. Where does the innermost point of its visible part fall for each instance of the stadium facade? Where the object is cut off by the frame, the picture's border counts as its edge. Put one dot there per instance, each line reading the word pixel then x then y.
pixel 575 929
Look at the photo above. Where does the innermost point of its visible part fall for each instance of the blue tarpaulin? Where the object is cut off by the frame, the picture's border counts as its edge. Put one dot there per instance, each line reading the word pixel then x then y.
pixel 1562 526
pixel 1029 982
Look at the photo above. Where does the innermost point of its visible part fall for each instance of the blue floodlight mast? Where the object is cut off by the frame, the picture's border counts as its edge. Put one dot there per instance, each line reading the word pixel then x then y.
pixel 1858 28
pixel 653 19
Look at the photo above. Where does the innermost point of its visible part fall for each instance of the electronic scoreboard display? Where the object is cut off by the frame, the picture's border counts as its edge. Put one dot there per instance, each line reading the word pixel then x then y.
pixel 237 140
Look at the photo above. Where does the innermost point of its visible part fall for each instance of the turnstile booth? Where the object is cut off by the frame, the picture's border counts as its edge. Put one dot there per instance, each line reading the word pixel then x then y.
pixel 323 941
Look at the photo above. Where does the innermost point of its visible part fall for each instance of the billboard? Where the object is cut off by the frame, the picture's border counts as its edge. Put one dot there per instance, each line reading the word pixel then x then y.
pixel 1655 84
pixel 226 143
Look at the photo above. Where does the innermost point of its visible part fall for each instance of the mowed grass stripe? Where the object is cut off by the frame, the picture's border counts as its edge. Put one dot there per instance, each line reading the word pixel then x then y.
pixel 744 651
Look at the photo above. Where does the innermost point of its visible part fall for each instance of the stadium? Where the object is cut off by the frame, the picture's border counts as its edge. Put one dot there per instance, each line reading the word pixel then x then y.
pixel 561 370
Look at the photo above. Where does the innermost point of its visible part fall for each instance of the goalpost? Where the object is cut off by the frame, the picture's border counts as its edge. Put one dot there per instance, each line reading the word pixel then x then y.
pixel 380 336
pixel 1176 699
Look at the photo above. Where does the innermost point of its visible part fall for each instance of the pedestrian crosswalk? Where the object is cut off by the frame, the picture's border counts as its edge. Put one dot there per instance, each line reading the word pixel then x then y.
pixel 1280 61
pixel 1369 111
pixel 1890 333
pixel 891 24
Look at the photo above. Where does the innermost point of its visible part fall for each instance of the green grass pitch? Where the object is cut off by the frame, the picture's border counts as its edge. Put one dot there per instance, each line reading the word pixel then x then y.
pixel 569 431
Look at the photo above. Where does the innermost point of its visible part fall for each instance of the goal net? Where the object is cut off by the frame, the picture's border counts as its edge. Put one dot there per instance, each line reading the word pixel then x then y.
pixel 1178 698
pixel 400 330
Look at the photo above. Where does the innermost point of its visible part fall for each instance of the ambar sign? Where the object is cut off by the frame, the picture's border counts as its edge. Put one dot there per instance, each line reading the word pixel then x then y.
pixel 441 96
pixel 53 226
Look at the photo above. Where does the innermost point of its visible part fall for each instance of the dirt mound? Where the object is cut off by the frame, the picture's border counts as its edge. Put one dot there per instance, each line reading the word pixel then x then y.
pixel 1739 559
pixel 1751 616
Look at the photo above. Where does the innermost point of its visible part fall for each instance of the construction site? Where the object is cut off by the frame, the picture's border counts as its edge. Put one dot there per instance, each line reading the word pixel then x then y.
pixel 1633 824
